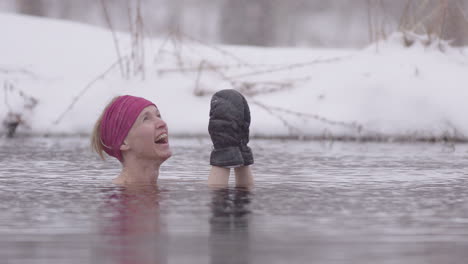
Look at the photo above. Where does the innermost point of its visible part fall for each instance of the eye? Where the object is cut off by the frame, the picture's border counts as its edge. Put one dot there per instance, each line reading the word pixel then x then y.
pixel 145 118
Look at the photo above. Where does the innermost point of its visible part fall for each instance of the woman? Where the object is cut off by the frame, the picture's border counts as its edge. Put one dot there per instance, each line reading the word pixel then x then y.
pixel 131 130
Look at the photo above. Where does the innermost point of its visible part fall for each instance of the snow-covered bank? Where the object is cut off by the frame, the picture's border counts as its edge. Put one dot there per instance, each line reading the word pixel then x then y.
pixel 384 91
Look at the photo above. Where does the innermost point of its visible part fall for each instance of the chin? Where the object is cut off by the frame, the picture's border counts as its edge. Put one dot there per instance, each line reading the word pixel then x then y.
pixel 168 156
pixel 164 156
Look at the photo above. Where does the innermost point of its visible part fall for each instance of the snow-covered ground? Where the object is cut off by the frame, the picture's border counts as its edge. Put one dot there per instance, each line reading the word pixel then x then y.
pixel 386 91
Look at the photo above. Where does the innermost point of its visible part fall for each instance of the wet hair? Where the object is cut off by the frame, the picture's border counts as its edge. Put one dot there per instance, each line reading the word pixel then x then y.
pixel 96 141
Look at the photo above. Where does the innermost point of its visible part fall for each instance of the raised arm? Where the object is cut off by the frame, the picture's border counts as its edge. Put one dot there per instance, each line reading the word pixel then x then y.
pixel 229 131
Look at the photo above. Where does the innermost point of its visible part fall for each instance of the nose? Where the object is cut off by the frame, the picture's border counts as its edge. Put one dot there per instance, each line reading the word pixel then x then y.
pixel 160 123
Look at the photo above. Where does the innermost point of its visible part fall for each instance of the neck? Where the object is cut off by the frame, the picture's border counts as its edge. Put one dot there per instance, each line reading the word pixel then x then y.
pixel 139 171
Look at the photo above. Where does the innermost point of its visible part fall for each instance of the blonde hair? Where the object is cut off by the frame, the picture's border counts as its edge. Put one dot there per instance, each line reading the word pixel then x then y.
pixel 96 141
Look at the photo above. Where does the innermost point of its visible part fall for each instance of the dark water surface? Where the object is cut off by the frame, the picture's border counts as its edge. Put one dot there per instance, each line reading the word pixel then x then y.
pixel 313 203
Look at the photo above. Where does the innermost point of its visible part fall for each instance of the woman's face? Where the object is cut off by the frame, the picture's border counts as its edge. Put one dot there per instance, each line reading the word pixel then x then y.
pixel 148 138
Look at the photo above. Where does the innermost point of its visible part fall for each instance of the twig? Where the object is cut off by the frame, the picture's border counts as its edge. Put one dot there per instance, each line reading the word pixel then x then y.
pixel 20 71
pixel 255 88
pixel 210 66
pixel 198 91
pixel 6 86
pixel 175 40
pixel 160 49
pixel 290 127
pixel 420 23
pixel 218 67
pixel 369 21
pixel 462 11
pixel 290 67
pixel 114 36
pixel 139 38
pixel 443 23
pixel 132 39
pixel 403 23
pixel 83 91
pixel 14 118
pixel 352 125
pixel 220 50
pixel 384 21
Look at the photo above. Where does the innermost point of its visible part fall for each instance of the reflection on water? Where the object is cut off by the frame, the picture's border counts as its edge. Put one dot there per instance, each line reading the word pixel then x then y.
pixel 312 203
pixel 131 227
pixel 229 233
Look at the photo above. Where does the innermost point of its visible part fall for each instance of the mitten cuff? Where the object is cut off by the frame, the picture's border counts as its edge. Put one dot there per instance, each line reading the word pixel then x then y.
pixel 247 155
pixel 230 157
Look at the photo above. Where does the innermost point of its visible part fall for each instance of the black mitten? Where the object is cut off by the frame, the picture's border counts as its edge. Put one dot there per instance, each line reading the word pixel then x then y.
pixel 229 129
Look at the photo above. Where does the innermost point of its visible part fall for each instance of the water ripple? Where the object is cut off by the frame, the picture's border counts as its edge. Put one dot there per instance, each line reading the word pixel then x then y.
pixel 313 202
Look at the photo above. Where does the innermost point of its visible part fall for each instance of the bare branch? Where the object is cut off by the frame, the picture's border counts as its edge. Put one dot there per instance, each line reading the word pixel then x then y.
pixel 85 89
pixel 290 127
pixel 19 71
pixel 290 67
pixel 462 11
pixel 6 87
pixel 114 35
pixel 219 50
pixel 160 49
pixel 198 91
pixel 217 67
pixel 351 125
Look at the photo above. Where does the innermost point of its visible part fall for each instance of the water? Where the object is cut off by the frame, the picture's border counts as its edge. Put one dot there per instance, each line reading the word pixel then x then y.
pixel 313 203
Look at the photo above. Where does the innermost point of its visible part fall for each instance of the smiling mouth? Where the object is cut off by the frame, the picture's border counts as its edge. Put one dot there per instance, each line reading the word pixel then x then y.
pixel 161 139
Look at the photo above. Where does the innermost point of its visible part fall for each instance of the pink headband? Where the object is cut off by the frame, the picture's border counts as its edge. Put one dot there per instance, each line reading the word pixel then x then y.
pixel 117 121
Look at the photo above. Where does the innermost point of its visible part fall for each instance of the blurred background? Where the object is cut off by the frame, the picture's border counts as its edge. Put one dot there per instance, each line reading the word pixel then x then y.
pixel 312 23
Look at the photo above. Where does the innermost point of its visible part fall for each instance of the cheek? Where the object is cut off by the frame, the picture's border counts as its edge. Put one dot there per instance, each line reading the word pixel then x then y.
pixel 142 135
pixel 145 132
